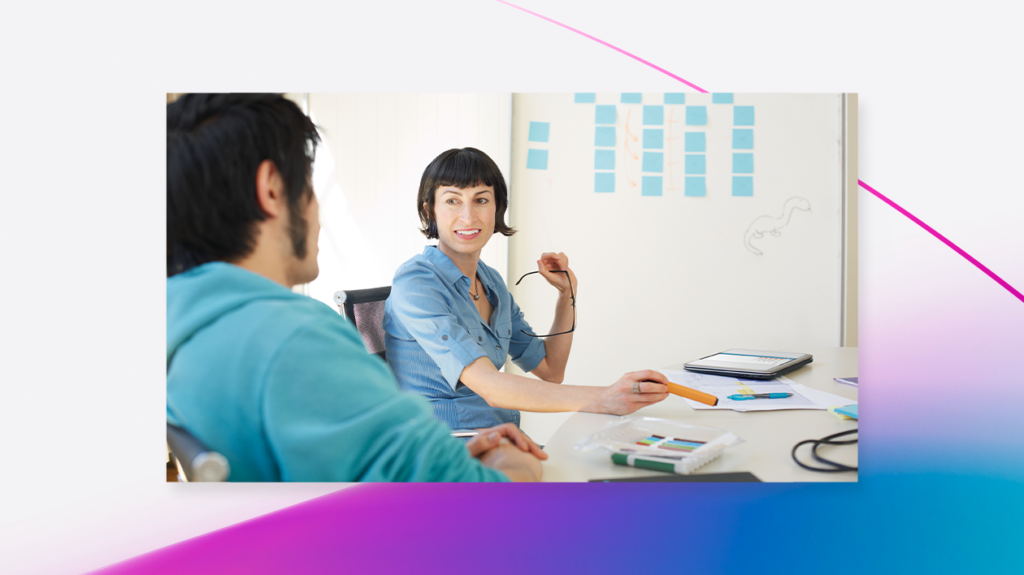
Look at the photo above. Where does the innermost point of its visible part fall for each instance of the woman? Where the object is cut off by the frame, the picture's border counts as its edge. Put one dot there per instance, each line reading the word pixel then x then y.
pixel 450 322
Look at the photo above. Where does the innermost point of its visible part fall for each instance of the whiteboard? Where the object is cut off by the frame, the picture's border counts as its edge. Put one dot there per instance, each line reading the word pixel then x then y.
pixel 663 277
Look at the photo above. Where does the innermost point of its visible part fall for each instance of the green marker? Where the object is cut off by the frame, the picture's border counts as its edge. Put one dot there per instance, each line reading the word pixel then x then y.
pixel 622 459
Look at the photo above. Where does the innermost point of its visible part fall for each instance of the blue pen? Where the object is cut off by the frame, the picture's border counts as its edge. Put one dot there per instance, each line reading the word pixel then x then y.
pixel 759 396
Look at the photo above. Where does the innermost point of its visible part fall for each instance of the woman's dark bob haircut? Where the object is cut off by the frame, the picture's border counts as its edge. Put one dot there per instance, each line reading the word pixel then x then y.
pixel 465 168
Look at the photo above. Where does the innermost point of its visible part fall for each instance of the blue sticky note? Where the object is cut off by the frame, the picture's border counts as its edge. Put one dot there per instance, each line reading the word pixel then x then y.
pixel 604 182
pixel 694 164
pixel 654 139
pixel 604 114
pixel 675 98
pixel 631 97
pixel 585 98
pixel 848 411
pixel 742 186
pixel 539 131
pixel 650 186
pixel 653 162
pixel 537 160
pixel 743 116
pixel 654 115
pixel 742 139
pixel 696 187
pixel 721 98
pixel 696 115
pixel 604 137
pixel 604 159
pixel 694 142
pixel 743 163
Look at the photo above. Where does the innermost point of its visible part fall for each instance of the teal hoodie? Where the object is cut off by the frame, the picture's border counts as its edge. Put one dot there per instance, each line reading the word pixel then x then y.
pixel 283 387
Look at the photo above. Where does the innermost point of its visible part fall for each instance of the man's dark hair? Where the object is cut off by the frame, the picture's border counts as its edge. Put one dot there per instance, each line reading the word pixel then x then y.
pixel 215 144
pixel 461 168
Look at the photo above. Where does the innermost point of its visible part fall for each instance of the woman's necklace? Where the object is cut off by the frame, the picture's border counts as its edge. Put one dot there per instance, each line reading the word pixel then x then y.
pixel 476 296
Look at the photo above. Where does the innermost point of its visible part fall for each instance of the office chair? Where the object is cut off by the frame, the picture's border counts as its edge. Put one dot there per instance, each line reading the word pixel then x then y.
pixel 195 462
pixel 365 309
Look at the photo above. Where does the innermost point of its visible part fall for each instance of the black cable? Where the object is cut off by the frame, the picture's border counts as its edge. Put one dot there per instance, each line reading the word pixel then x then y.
pixel 836 467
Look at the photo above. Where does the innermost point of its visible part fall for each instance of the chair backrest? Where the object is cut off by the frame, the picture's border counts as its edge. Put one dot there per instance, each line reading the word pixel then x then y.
pixel 195 461
pixel 365 308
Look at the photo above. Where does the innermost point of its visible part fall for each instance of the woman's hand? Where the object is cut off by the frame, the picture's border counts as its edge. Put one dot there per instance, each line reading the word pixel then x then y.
pixel 550 265
pixel 492 437
pixel 620 399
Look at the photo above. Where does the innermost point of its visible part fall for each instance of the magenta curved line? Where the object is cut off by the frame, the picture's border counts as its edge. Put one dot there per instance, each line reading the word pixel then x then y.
pixel 943 239
pixel 912 217
pixel 599 41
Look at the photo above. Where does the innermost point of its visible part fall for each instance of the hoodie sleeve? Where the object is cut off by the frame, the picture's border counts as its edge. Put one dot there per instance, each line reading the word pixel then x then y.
pixel 333 412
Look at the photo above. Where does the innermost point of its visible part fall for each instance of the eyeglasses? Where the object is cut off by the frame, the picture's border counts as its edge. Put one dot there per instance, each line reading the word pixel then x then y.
pixel 572 294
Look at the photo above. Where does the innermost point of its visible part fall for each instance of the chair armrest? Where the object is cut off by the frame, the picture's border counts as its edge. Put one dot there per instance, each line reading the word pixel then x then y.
pixel 195 461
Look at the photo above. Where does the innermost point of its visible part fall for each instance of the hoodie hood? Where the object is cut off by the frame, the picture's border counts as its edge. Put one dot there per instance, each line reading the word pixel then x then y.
pixel 203 294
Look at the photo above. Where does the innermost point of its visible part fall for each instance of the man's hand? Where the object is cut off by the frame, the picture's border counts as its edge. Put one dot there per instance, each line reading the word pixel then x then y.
pixel 491 437
pixel 620 398
pixel 508 450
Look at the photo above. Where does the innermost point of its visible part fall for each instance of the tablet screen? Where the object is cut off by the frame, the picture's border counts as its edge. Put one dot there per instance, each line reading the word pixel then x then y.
pixel 761 361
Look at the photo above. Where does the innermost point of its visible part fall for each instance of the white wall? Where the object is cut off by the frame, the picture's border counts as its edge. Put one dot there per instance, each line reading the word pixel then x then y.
pixel 367 173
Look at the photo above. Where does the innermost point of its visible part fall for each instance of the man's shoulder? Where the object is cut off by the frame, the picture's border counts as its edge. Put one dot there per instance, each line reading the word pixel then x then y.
pixel 285 317
pixel 307 337
pixel 262 327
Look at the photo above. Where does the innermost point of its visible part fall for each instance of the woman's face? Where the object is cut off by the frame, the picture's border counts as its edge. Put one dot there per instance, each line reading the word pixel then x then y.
pixel 465 218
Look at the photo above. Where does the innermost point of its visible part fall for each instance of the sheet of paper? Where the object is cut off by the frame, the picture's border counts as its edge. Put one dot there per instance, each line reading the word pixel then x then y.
pixel 722 387
pixel 823 397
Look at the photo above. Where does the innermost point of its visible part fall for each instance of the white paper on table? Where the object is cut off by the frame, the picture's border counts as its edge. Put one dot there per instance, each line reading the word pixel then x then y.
pixel 823 398
pixel 722 387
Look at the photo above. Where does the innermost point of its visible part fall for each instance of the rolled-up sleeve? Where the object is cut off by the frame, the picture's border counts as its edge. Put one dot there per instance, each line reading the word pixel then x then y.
pixel 526 352
pixel 424 309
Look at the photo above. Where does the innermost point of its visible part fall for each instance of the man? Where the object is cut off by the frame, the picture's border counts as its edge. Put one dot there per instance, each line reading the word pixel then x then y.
pixel 279 383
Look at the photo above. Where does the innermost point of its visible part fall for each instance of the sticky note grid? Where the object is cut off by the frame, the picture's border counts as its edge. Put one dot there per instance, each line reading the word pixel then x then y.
pixel 657 156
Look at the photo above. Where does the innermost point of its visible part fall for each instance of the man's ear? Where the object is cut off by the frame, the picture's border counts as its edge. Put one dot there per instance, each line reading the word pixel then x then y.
pixel 270 189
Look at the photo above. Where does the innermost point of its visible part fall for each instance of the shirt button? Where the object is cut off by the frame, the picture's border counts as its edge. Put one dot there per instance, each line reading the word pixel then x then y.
pixel 444 337
pixel 479 338
pixel 497 347
pixel 510 332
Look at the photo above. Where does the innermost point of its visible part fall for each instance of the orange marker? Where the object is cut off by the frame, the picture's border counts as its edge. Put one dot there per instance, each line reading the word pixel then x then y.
pixel 690 393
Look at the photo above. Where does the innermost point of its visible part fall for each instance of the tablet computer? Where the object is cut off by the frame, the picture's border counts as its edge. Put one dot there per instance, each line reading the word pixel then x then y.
pixel 749 363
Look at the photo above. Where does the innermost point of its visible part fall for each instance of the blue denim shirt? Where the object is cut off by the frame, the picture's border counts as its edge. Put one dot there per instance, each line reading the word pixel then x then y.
pixel 432 331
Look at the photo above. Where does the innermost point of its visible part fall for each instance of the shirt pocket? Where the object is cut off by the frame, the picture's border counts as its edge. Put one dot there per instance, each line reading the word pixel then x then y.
pixel 495 351
pixel 479 336
pixel 504 331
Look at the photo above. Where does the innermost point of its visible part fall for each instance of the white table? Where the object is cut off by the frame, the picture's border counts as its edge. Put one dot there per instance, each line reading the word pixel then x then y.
pixel 769 436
